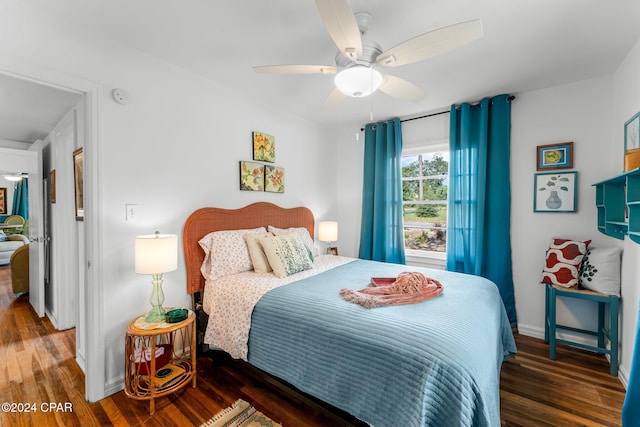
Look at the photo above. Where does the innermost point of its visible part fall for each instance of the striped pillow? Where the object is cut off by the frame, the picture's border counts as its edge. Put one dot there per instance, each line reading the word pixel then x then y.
pixel 562 265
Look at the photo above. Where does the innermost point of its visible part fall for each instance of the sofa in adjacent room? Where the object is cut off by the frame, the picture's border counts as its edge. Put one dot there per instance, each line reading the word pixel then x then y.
pixel 20 270
pixel 8 247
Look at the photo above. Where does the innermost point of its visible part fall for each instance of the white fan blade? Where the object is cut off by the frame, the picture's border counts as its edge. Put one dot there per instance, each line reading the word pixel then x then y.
pixel 431 44
pixel 334 98
pixel 296 69
pixel 400 89
pixel 342 26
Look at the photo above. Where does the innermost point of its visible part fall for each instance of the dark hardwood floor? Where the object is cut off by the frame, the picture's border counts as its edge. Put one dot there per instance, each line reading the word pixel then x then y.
pixel 37 366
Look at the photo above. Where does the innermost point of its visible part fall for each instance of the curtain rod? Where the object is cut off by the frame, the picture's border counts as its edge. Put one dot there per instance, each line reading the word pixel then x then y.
pixel 509 99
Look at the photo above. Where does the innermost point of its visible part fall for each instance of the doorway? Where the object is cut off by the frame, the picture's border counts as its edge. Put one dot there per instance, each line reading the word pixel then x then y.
pixel 89 306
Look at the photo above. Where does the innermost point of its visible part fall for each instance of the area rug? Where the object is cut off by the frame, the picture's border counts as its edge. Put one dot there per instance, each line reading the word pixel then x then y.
pixel 240 414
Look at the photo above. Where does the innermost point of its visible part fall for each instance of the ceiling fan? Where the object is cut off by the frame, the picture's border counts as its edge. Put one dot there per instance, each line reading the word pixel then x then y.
pixel 359 59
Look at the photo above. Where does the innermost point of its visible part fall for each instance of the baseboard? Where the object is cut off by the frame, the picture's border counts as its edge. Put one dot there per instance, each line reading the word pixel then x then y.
pixel 623 376
pixel 531 331
pixel 536 332
pixel 114 386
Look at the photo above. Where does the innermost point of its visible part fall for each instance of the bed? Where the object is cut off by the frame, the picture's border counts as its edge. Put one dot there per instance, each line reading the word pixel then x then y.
pixel 434 363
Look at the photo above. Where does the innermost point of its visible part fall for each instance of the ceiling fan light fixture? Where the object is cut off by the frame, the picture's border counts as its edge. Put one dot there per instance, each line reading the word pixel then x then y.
pixel 358 81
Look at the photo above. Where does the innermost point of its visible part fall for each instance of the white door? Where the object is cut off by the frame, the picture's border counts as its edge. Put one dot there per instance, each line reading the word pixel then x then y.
pixel 36 239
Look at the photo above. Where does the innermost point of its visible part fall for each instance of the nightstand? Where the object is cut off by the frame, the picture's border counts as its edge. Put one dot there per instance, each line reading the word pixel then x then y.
pixel 160 358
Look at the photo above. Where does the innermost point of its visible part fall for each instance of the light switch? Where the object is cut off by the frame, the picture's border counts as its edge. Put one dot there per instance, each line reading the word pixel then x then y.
pixel 131 211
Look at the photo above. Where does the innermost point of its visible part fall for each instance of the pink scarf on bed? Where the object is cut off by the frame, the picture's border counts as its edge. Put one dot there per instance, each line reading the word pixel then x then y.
pixel 409 288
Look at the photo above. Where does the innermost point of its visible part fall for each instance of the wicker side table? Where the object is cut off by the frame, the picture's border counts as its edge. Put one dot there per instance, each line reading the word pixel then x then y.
pixel 160 358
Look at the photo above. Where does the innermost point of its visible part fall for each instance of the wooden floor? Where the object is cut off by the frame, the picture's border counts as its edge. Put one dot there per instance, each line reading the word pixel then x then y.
pixel 37 367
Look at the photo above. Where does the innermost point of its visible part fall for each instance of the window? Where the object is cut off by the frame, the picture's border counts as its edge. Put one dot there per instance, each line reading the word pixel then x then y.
pixel 425 182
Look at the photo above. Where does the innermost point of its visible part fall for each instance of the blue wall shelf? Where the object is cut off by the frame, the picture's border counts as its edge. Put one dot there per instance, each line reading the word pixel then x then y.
pixel 618 205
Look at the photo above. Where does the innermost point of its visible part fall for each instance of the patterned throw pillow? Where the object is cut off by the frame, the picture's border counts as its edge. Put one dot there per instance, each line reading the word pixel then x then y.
pixel 304 235
pixel 226 253
pixel 562 265
pixel 287 253
pixel 600 270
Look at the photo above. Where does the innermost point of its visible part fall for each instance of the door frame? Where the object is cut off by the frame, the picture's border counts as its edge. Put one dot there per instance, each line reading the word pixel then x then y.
pixel 92 310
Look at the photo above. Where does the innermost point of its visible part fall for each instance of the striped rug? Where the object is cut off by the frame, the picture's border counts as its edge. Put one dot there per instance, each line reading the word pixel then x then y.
pixel 240 414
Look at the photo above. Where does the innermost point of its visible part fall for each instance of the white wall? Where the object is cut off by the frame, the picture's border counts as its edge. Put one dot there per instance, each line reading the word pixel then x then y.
pixel 626 97
pixel 578 112
pixel 173 148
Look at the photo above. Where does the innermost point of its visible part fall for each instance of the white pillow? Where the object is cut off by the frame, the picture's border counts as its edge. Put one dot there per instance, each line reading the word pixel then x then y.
pixel 600 270
pixel 258 257
pixel 226 253
pixel 287 253
pixel 304 235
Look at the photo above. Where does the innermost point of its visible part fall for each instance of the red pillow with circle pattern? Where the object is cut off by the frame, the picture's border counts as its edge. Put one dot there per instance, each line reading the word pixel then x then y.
pixel 562 265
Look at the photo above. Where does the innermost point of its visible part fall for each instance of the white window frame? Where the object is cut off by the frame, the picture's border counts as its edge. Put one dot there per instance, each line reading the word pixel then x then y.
pixel 421 258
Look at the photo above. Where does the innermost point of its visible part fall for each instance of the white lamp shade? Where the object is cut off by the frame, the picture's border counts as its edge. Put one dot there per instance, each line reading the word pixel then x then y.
pixel 156 253
pixel 328 231
pixel 358 81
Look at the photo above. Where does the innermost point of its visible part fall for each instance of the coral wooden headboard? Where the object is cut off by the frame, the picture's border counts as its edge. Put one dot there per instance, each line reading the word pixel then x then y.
pixel 205 220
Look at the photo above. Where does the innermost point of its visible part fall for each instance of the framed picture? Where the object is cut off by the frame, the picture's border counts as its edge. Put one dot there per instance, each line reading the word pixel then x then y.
pixel 264 147
pixel 3 200
pixel 555 156
pixel 52 186
pixel 555 192
pixel 332 250
pixel 632 133
pixel 273 179
pixel 251 176
pixel 78 181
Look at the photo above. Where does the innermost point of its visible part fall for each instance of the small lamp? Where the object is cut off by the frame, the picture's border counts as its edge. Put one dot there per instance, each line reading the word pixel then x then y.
pixel 328 232
pixel 156 254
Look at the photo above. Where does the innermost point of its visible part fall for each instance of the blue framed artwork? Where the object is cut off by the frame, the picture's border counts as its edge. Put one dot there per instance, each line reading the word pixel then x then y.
pixel 555 156
pixel 555 192
pixel 632 133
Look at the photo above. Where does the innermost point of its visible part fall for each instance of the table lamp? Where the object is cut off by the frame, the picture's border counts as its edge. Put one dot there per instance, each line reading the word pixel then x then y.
pixel 328 232
pixel 156 254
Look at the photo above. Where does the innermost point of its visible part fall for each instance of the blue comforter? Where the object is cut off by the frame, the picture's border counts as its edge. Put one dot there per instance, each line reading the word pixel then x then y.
pixel 434 363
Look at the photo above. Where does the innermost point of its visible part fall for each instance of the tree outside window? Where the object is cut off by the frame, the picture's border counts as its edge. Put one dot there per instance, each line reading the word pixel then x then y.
pixel 424 195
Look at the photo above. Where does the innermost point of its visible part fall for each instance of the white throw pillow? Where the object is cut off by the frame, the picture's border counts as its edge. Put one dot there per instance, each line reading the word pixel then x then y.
pixel 256 252
pixel 600 270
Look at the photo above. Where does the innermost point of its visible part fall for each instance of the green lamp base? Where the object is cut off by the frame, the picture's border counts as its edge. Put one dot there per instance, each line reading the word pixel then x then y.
pixel 156 315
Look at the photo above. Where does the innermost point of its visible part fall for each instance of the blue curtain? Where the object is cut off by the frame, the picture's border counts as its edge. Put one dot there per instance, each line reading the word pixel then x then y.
pixel 478 232
pixel 631 407
pixel 21 198
pixel 381 234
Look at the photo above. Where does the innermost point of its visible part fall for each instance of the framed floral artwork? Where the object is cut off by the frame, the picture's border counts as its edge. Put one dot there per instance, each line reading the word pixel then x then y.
pixel 274 179
pixel 251 176
pixel 264 147
pixel 555 156
pixel 555 192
